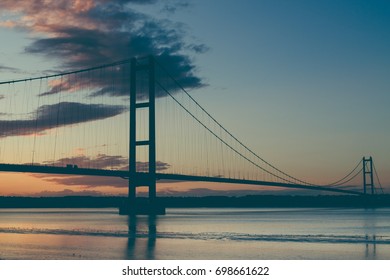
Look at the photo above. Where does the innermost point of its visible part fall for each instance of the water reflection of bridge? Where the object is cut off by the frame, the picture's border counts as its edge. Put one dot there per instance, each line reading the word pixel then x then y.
pixel 142 238
pixel 370 252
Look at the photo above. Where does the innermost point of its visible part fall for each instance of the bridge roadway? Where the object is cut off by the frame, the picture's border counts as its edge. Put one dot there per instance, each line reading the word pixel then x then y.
pixel 143 177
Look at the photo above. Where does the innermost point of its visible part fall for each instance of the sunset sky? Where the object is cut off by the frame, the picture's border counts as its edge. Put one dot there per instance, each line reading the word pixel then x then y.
pixel 305 84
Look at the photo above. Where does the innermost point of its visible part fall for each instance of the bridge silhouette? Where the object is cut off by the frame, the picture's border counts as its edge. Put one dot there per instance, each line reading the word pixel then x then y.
pixel 134 120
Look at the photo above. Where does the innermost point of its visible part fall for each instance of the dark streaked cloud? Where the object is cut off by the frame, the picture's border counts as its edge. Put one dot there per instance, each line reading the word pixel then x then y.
pixel 173 7
pixel 144 166
pixel 199 48
pixel 68 192
pixel 92 32
pixel 140 1
pixel 9 69
pixel 84 181
pixel 61 114
pixel 103 161
pixel 112 81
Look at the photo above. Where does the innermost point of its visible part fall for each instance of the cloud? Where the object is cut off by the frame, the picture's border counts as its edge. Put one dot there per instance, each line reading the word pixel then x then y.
pixel 84 181
pixel 144 166
pixel 68 192
pixel 60 85
pixel 101 161
pixel 112 81
pixel 171 8
pixel 9 69
pixel 61 114
pixel 84 33
pixel 199 48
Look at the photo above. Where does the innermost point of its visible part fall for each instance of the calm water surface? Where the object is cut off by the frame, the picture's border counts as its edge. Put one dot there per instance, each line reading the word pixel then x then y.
pixel 201 233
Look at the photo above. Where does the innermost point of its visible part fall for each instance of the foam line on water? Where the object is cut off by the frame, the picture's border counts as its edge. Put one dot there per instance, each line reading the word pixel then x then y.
pixel 223 236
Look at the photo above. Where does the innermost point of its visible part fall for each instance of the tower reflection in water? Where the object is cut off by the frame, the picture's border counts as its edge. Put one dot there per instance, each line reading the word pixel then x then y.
pixel 370 252
pixel 142 237
pixel 370 225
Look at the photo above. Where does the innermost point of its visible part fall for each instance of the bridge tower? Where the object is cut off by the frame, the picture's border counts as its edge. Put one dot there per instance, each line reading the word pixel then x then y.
pixel 368 177
pixel 136 178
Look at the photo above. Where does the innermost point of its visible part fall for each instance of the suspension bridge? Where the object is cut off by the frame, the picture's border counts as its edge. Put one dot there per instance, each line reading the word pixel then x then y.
pixel 134 120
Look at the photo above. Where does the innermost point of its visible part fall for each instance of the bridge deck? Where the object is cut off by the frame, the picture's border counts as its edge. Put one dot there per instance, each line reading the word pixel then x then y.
pixel 143 177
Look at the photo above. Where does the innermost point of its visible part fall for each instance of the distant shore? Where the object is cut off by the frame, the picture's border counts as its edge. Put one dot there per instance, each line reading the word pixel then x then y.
pixel 250 201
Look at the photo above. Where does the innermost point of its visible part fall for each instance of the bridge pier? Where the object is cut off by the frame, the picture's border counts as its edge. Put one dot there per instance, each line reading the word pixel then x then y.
pixel 137 206
pixel 141 208
pixel 142 178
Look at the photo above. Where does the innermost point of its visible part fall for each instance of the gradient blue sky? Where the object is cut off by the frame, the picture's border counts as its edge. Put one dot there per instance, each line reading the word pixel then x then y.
pixel 308 81
pixel 305 84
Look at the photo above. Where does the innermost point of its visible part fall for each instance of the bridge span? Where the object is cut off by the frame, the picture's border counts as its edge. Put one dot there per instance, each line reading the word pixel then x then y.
pixel 143 178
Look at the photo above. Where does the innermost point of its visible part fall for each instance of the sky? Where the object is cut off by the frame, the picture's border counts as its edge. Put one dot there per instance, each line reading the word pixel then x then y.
pixel 305 84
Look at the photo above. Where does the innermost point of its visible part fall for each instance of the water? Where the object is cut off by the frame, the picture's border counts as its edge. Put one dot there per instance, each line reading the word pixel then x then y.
pixel 201 233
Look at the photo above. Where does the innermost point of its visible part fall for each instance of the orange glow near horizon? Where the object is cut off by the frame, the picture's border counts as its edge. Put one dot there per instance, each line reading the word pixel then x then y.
pixel 26 184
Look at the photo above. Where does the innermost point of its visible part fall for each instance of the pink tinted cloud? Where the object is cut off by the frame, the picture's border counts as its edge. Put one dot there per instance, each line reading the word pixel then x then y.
pixel 47 16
